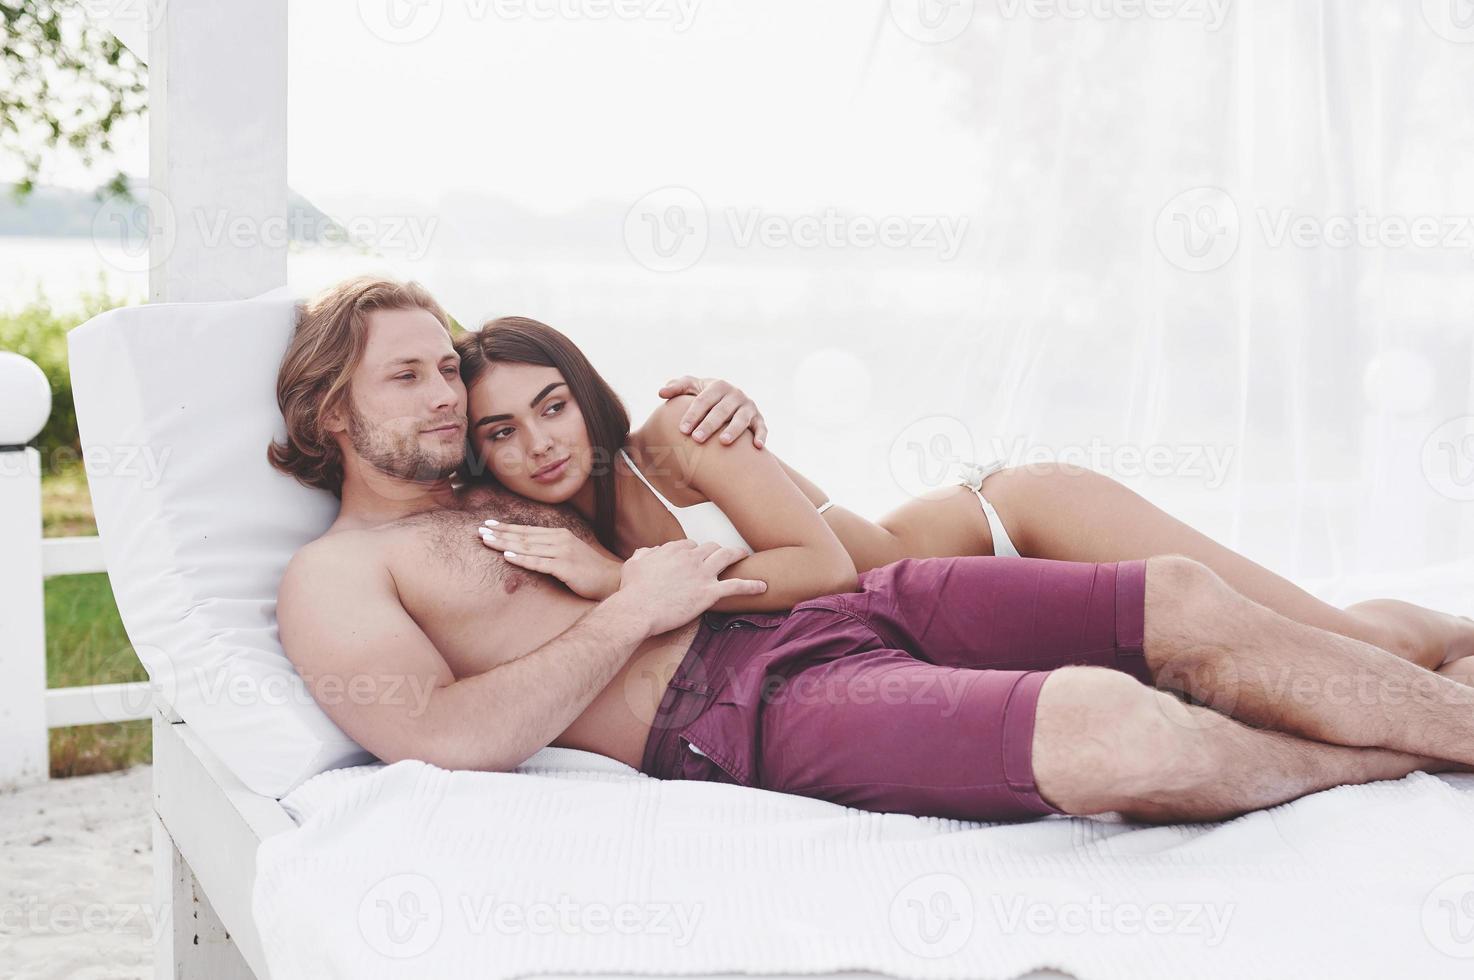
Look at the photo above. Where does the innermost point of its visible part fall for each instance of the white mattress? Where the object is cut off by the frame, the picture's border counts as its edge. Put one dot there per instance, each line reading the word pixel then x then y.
pixel 1362 881
pixel 409 870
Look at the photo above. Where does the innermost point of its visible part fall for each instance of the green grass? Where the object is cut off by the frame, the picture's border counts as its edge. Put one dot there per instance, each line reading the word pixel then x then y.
pixel 66 505
pixel 85 642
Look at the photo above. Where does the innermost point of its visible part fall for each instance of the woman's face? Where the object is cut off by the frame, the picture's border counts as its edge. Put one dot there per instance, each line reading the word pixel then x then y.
pixel 527 429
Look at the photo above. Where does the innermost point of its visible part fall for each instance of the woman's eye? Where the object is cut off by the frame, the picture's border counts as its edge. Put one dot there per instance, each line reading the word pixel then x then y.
pixel 554 408
pixel 498 434
pixel 404 377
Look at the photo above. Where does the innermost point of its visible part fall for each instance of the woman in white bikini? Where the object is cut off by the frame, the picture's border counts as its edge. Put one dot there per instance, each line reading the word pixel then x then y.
pixel 545 425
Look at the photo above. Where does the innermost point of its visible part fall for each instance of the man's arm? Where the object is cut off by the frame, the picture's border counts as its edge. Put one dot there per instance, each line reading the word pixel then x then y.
pixel 718 403
pixel 376 674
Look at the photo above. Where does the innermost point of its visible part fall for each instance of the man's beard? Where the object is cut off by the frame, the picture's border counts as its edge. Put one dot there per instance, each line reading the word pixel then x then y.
pixel 403 459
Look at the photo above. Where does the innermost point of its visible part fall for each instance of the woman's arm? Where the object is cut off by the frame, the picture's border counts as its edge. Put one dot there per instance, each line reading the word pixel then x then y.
pixel 794 551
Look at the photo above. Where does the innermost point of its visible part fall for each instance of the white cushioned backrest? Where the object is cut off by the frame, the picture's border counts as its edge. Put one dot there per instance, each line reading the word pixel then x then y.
pixel 176 404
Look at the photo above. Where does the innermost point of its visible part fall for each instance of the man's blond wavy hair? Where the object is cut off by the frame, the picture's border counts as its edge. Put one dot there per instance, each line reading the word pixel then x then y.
pixel 332 331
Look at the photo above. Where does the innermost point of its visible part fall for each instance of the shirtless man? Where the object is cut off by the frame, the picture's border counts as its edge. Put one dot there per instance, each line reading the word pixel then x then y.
pixel 973 687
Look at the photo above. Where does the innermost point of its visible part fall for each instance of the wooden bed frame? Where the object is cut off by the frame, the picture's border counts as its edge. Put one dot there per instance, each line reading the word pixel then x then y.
pixel 207 826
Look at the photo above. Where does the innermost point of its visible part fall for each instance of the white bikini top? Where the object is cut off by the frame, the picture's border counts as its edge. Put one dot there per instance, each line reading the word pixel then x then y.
pixel 701 522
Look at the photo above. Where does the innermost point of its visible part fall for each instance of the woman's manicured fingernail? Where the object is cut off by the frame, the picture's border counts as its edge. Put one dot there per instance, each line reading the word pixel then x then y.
pixel 510 554
pixel 491 522
pixel 486 532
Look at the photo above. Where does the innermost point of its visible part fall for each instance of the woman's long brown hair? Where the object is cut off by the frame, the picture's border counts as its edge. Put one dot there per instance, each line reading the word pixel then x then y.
pixel 521 340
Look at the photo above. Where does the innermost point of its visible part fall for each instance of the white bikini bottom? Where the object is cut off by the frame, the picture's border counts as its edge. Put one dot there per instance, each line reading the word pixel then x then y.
pixel 973 476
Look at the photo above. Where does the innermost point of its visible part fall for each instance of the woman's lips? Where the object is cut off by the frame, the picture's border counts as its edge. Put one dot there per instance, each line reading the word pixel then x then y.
pixel 550 473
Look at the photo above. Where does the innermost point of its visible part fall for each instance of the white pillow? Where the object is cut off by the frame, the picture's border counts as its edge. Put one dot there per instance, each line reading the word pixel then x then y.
pixel 176 404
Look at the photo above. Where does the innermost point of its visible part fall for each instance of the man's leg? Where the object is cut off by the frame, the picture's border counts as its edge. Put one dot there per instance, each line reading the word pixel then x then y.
pixel 1105 742
pixel 1226 651
pixel 1167 621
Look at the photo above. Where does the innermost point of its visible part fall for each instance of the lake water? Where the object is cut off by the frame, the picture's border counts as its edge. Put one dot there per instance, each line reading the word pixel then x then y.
pixel 60 271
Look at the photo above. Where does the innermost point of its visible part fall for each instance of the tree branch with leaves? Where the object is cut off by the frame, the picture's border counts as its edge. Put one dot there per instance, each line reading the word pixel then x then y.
pixel 65 85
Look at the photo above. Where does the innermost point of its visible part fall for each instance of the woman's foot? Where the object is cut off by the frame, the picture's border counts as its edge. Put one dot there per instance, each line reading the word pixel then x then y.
pixel 1426 637
pixel 1460 670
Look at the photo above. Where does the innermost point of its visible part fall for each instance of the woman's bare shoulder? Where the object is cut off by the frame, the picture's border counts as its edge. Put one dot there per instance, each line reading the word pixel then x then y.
pixel 664 453
pixel 663 427
pixel 660 438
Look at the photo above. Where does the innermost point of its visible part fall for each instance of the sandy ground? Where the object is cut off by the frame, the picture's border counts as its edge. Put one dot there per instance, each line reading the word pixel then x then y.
pixel 75 883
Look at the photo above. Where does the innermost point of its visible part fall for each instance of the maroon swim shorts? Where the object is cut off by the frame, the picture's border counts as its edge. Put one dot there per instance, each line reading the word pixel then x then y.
pixel 914 695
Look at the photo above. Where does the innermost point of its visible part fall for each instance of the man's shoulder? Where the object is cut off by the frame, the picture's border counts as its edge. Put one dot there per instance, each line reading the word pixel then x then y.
pixel 350 552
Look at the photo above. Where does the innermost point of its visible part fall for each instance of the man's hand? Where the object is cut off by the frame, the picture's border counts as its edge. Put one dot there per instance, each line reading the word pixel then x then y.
pixel 718 403
pixel 676 582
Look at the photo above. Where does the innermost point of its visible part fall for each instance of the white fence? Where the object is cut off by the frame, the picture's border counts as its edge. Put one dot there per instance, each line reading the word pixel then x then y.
pixel 94 703
pixel 28 710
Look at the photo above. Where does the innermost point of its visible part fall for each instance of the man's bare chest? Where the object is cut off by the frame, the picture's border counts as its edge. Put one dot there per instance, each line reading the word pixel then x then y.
pixel 476 607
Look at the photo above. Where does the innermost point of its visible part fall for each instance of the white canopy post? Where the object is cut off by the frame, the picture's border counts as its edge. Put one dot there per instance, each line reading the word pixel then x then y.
pixel 218 213
pixel 217 150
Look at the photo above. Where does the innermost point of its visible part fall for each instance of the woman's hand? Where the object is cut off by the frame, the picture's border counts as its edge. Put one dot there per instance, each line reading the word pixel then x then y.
pixel 717 403
pixel 554 551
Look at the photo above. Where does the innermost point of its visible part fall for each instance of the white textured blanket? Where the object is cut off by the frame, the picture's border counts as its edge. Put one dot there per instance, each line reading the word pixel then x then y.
pixel 577 864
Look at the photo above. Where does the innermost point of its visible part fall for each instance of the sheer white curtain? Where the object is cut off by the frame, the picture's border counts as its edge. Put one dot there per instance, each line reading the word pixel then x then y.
pixel 1251 243
pixel 1219 250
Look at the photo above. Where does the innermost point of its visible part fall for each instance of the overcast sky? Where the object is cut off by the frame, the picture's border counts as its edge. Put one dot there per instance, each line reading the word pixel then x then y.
pixel 550 104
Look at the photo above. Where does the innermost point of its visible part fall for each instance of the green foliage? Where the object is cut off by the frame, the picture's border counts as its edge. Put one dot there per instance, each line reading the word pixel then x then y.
pixel 85 639
pixel 64 86
pixel 86 644
pixel 40 334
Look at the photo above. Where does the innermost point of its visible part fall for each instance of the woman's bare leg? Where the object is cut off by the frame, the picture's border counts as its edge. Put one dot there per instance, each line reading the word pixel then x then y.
pixel 1070 513
pixel 1459 670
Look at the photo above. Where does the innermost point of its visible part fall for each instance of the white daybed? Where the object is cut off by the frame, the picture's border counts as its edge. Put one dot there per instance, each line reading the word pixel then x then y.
pixel 1358 881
